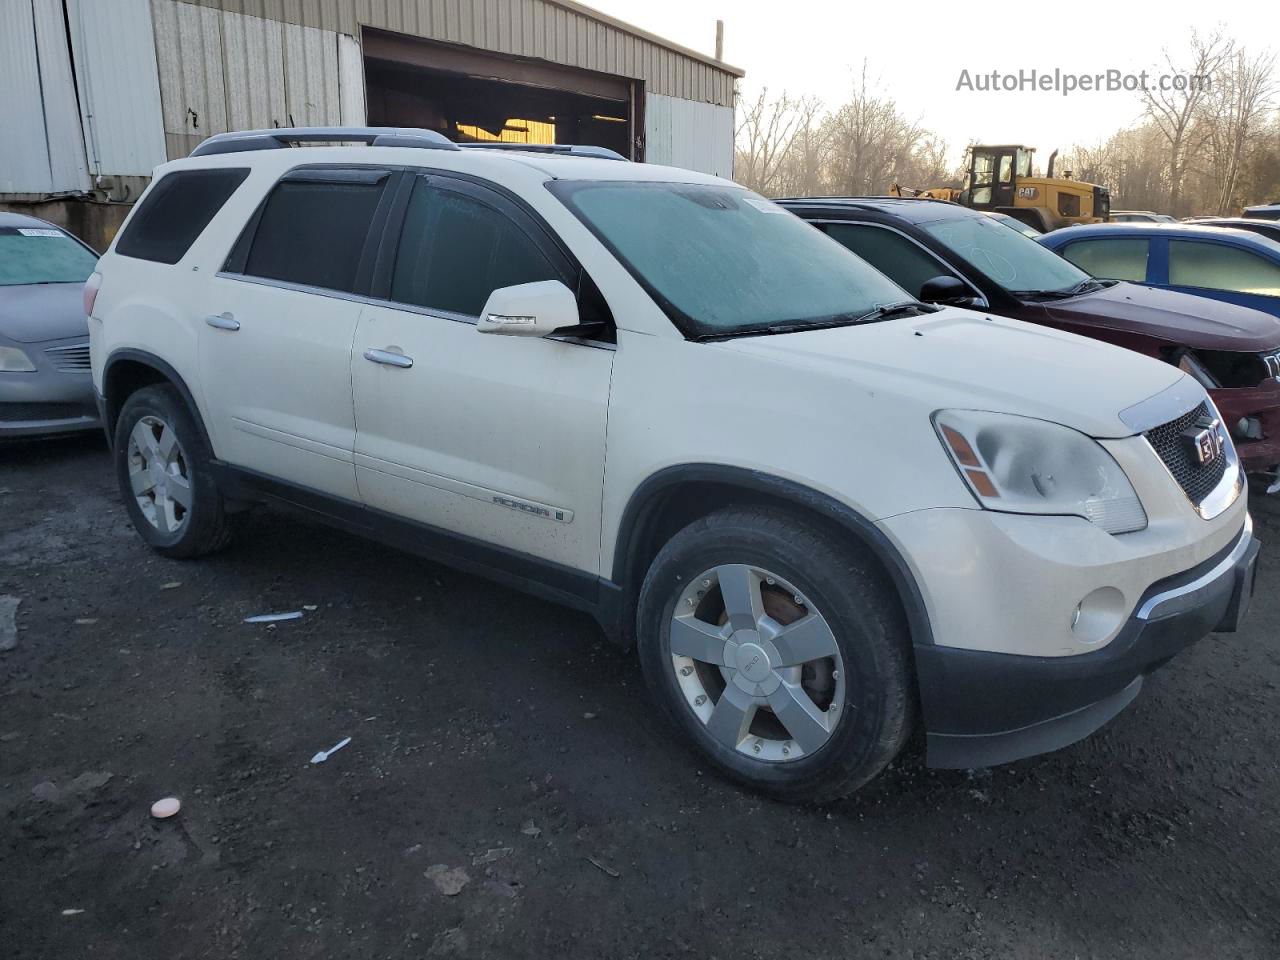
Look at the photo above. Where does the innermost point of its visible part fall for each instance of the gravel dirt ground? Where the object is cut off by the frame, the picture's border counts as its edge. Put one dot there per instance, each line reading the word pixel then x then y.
pixel 507 791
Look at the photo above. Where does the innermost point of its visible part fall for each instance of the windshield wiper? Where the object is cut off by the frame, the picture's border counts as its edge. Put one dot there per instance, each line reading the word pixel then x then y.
pixel 1087 285
pixel 886 310
pixel 882 312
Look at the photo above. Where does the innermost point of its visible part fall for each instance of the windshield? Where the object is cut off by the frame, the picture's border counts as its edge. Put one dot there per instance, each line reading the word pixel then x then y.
pixel 1015 262
pixel 42 255
pixel 721 260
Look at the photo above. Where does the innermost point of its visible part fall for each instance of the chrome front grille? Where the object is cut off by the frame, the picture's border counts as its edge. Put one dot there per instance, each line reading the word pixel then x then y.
pixel 73 358
pixel 1175 443
pixel 1272 362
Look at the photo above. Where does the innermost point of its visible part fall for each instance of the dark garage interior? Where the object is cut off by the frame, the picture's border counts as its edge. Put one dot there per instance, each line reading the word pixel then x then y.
pixel 469 95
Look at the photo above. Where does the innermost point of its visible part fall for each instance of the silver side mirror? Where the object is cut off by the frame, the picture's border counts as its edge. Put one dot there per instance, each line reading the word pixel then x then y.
pixel 529 310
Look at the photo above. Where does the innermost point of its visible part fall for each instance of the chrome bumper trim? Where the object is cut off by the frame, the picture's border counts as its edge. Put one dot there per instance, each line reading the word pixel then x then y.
pixel 1151 608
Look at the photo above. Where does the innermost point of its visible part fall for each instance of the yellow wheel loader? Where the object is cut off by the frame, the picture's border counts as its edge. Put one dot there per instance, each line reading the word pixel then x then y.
pixel 999 179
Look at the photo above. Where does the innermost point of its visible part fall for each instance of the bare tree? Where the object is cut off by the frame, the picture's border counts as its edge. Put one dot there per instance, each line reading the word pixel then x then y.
pixel 765 137
pixel 1175 111
pixel 871 144
pixel 1235 116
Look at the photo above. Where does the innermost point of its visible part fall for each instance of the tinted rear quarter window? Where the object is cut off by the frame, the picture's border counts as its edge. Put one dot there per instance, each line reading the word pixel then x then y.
pixel 313 231
pixel 176 211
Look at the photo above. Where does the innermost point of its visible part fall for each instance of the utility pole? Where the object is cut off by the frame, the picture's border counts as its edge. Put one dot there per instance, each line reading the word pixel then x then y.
pixel 719 39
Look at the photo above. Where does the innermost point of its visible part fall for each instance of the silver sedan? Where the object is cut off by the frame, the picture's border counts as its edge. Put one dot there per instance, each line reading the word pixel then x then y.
pixel 45 382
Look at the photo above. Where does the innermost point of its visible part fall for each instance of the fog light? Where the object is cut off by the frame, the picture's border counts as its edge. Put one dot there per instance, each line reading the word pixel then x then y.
pixel 1248 428
pixel 1099 615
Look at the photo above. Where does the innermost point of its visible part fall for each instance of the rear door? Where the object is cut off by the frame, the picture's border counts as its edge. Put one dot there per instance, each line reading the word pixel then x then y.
pixel 497 438
pixel 275 345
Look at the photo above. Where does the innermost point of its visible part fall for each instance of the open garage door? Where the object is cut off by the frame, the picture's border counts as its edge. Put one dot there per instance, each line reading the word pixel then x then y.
pixel 471 95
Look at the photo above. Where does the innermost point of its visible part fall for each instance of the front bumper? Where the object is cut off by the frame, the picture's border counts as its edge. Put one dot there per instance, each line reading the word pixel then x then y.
pixel 1261 403
pixel 984 708
pixel 47 400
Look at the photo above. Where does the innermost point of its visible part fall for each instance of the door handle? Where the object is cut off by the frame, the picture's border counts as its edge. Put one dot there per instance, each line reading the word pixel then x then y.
pixel 388 358
pixel 223 321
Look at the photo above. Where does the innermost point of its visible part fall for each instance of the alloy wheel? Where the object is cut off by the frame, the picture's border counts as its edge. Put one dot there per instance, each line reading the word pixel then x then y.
pixel 757 663
pixel 159 474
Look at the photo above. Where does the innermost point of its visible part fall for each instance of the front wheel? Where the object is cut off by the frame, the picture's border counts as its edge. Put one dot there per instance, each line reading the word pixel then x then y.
pixel 780 651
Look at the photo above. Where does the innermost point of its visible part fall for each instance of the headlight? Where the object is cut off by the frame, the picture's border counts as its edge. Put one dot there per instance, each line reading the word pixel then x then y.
pixel 13 360
pixel 1021 465
pixel 1189 363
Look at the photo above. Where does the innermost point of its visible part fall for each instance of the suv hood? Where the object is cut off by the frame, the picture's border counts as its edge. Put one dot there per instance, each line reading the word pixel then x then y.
pixel 965 360
pixel 34 312
pixel 1180 318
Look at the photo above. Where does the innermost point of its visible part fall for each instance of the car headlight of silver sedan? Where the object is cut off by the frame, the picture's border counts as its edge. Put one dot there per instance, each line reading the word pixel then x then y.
pixel 1022 465
pixel 13 360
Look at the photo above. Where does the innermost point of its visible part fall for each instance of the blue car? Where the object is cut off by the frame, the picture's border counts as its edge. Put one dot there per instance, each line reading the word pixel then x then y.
pixel 1226 264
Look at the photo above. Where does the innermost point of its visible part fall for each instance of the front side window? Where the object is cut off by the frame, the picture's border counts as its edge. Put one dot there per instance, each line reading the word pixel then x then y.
pixel 38 254
pixel 1115 258
pixel 175 211
pixel 1017 263
pixel 456 250
pixel 313 231
pixel 901 260
pixel 723 261
pixel 1219 267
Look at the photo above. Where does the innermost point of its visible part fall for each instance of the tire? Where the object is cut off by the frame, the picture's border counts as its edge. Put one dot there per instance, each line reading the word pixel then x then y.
pixel 866 712
pixel 153 495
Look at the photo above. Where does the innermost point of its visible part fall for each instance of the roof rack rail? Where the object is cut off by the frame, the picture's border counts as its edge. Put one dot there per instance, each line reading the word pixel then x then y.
pixel 567 149
pixel 241 141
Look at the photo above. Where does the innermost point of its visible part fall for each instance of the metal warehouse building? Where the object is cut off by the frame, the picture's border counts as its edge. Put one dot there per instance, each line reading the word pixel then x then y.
pixel 95 94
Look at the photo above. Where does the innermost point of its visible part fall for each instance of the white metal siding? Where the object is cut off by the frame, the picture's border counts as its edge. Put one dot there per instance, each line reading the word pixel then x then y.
pixel 351 81
pixel 560 31
pixel 224 71
pixel 41 150
pixel 115 62
pixel 683 133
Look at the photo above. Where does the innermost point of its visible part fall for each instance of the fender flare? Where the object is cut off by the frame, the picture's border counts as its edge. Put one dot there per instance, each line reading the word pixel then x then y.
pixel 165 370
pixel 649 495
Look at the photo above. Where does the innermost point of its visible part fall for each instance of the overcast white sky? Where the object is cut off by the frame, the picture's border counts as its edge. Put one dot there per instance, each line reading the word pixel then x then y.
pixel 917 51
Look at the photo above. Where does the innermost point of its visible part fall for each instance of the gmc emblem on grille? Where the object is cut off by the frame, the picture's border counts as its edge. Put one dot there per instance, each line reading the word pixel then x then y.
pixel 1205 440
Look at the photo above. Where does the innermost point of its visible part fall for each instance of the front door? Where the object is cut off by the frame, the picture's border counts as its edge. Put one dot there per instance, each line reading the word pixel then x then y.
pixel 493 437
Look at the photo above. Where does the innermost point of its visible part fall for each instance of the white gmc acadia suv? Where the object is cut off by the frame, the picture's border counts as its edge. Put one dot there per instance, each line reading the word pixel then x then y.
pixel 824 512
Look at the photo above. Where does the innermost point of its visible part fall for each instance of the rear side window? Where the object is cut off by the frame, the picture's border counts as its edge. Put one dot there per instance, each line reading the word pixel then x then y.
pixel 1116 258
pixel 313 229
pixel 175 212
pixel 455 251
pixel 1220 267
pixel 901 260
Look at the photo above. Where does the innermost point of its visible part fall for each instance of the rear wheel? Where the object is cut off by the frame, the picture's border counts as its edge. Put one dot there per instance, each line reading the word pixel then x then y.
pixel 165 476
pixel 779 651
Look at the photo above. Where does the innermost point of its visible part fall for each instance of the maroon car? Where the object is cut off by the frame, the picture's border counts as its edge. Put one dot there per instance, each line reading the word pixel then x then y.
pixel 942 252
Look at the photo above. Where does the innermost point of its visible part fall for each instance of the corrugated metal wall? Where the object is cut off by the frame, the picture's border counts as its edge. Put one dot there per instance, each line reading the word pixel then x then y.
pixel 41 150
pixel 561 32
pixel 681 133
pixel 224 71
pixel 115 64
